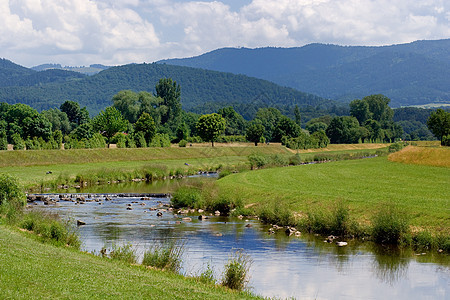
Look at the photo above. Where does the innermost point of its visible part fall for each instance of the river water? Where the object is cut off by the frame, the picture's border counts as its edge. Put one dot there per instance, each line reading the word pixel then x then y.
pixel 302 267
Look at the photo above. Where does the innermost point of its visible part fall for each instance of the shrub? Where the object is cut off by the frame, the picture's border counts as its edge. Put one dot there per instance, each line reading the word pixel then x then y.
pixel 445 140
pixel 124 253
pixel 236 272
pixel 187 196
pixel 396 146
pixel 160 140
pixel 3 140
pixel 166 256
pixel 10 190
pixel 18 142
pixel 295 160
pixel 257 161
pixel 278 215
pixel 224 173
pixel 279 160
pixel 389 226
pixel 182 143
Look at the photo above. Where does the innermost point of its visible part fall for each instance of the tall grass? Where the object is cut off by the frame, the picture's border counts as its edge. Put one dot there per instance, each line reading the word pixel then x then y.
pixel 390 226
pixel 125 253
pixel 166 256
pixel 236 273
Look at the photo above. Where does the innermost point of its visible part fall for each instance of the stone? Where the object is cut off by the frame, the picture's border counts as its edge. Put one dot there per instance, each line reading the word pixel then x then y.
pixel 80 223
pixel 129 208
pixel 187 219
pixel 159 214
pixel 341 244
pixel 217 213
pixel 248 225
pixel 200 211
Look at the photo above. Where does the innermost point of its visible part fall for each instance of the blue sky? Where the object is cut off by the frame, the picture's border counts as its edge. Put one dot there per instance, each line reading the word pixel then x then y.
pixel 114 32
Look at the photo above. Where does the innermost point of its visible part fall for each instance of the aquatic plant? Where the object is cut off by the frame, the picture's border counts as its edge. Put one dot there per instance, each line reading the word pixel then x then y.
pixel 236 273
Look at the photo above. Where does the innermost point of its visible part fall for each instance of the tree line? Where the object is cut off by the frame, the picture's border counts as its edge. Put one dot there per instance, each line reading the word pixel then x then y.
pixel 143 119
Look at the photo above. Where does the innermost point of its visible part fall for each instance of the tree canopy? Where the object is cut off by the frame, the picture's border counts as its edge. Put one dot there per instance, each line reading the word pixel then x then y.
pixel 210 127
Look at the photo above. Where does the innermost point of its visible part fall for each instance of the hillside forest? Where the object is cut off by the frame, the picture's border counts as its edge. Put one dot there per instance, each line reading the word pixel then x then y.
pixel 143 119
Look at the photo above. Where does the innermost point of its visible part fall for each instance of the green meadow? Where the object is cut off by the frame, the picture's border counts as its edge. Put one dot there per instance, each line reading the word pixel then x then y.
pixel 422 193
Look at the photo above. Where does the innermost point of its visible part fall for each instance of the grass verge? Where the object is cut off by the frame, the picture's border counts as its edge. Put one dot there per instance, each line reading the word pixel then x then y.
pixel 33 270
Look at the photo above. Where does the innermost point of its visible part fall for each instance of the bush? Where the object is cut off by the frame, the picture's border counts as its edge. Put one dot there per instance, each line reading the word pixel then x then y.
pixel 257 161
pixel 423 240
pixel 18 142
pixel 396 146
pixel 187 196
pixel 295 160
pixel 165 256
pixel 124 253
pixel 182 143
pixel 3 140
pixel 389 226
pixel 236 273
pixel 10 191
pixel 160 140
pixel 445 140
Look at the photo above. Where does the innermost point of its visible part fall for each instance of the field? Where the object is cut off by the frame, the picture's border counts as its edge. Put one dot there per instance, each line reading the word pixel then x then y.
pixel 428 156
pixel 32 270
pixel 421 192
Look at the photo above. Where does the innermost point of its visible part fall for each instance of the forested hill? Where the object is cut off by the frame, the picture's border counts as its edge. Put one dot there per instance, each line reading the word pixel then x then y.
pixel 410 74
pixel 12 74
pixel 201 90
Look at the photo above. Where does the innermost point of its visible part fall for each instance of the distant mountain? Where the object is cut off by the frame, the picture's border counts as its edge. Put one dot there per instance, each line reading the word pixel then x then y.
pixel 12 74
pixel 91 70
pixel 201 90
pixel 410 74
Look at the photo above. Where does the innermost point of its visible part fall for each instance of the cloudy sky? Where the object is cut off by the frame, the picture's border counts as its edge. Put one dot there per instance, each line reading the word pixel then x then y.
pixel 114 32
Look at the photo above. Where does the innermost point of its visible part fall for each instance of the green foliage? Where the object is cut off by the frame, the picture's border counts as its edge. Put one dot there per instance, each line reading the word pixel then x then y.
pixel 10 190
pixel 3 140
pixel 255 132
pixel 146 125
pixel 207 276
pixel 182 143
pixel 18 142
pixel 127 102
pixel 394 147
pixel 389 226
pixel 49 228
pixel 236 272
pixel 235 122
pixel 160 140
pixel 166 256
pixel 210 127
pixel 187 196
pixel 439 124
pixel 445 140
pixel 343 130
pixel 139 139
pixel 278 215
pixel 125 253
pixel 109 122
pixel 285 127
pixel 169 91
pixel 257 161
pixel 304 141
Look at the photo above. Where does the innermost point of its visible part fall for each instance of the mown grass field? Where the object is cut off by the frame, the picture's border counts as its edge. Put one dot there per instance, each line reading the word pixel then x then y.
pixel 33 270
pixel 421 192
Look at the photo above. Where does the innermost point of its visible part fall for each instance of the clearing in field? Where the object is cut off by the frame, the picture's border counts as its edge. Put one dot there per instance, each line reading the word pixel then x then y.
pixel 428 156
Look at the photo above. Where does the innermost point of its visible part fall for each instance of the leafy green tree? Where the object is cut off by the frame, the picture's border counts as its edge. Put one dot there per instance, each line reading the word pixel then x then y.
pixel 379 108
pixel 146 125
pixel 11 191
pixel 235 122
pixel 182 132
pixel 109 122
pixel 38 126
pixel 72 110
pixel 317 126
pixel 152 105
pixel 439 124
pixel 127 102
pixel 84 131
pixel 255 132
pixel 269 117
pixel 285 127
pixel 343 130
pixel 170 92
pixel 59 120
pixel 17 141
pixel 210 127
pixel 360 110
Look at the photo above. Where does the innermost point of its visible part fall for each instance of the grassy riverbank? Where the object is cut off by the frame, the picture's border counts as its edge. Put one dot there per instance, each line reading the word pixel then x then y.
pixel 31 167
pixel 421 193
pixel 33 270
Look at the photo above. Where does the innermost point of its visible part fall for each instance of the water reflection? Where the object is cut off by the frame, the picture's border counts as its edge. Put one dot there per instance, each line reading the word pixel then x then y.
pixel 283 266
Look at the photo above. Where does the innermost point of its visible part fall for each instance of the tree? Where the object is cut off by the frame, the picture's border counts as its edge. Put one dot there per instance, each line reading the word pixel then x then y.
pixel 255 132
pixel 298 118
pixel 3 140
pixel 37 126
pixel 360 110
pixel 59 120
pixel 269 118
pixel 343 130
pixel 169 90
pixel 182 132
pixel 146 125
pixel 126 102
pixel 285 127
pixel 439 124
pixel 72 109
pixel 379 108
pixel 109 122
pixel 210 127
pixel 235 122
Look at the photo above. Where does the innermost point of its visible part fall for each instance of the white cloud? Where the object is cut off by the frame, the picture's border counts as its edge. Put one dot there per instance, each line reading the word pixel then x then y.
pixel 116 32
